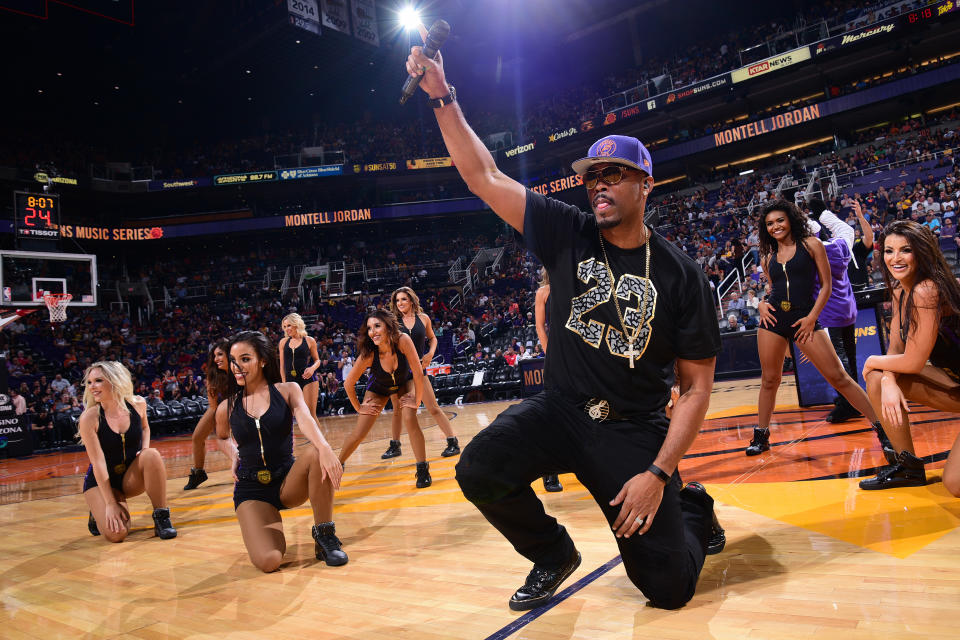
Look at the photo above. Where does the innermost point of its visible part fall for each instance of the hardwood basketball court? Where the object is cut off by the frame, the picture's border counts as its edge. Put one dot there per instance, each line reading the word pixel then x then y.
pixel 808 554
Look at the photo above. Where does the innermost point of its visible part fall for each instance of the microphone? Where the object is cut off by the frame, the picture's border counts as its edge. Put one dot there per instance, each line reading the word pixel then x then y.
pixel 437 35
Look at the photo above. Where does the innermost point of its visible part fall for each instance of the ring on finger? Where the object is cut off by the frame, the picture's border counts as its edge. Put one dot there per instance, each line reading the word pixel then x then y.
pixel 423 69
pixel 640 520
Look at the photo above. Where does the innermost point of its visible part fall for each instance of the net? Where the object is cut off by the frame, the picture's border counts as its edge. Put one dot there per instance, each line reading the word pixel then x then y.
pixel 57 305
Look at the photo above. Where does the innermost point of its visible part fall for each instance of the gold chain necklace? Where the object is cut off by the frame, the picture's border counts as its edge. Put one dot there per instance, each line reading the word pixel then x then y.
pixel 631 339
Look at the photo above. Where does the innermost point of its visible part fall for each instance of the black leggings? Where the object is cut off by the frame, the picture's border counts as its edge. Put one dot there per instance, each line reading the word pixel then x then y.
pixel 844 341
pixel 546 434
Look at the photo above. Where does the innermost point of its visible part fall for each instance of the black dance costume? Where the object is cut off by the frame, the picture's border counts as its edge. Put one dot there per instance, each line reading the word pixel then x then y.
pixel 793 291
pixel 418 334
pixel 946 350
pixel 119 449
pixel 297 361
pixel 266 453
pixel 387 384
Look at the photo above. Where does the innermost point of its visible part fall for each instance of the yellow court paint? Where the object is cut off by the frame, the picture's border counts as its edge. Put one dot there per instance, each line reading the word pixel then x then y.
pixel 896 522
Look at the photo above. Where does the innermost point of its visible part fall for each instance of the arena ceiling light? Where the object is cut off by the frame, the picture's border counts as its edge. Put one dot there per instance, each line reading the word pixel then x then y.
pixel 409 18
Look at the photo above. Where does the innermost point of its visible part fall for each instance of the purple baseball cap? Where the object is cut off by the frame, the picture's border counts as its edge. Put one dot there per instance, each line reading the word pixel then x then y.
pixel 618 150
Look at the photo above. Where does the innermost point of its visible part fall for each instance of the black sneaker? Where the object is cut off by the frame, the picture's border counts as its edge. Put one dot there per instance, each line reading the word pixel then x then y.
pixel 542 583
pixel 453 448
pixel 717 539
pixel 842 412
pixel 907 472
pixel 197 477
pixel 760 442
pixel 92 525
pixel 161 524
pixel 423 475
pixel 392 451
pixel 552 483
pixel 328 546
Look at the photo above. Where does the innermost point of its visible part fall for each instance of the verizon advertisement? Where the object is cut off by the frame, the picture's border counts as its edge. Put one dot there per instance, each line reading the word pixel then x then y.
pixel 775 63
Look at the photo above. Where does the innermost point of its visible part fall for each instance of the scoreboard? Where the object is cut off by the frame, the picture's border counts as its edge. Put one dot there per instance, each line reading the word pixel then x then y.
pixel 36 216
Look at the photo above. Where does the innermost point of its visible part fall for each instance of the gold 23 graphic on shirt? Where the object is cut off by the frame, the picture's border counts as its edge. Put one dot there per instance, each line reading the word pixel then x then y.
pixel 630 292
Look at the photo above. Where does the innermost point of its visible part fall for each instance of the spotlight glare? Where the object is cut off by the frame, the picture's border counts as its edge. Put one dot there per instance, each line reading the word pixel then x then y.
pixel 409 18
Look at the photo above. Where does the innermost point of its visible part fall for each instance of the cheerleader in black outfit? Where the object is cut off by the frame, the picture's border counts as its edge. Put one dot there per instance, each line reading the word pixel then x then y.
pixel 551 482
pixel 388 353
pixel 116 435
pixel 922 363
pixel 412 321
pixel 217 370
pixel 793 258
pixel 259 412
pixel 297 352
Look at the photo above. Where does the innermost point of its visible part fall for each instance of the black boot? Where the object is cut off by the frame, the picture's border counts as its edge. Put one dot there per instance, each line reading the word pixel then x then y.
pixel 888 451
pixel 392 451
pixel 542 583
pixel 328 545
pixel 423 475
pixel 717 539
pixel 453 448
pixel 92 525
pixel 906 472
pixel 551 483
pixel 197 477
pixel 161 524
pixel 842 412
pixel 760 442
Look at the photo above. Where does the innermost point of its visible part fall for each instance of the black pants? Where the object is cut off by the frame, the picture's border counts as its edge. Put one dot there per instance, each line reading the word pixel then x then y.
pixel 547 434
pixel 844 341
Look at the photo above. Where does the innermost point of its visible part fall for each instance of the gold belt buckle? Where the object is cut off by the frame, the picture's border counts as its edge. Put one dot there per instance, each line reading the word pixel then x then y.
pixel 119 468
pixel 264 476
pixel 785 305
pixel 598 409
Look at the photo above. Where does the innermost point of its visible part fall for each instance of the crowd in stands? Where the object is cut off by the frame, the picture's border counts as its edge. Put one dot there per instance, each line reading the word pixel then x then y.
pixel 369 139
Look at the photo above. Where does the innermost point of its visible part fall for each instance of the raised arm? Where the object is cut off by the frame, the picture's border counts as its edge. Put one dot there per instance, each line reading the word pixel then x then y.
pixel 506 196
pixel 866 230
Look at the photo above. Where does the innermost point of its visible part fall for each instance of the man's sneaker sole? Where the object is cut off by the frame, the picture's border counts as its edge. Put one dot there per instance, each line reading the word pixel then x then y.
pixel 526 605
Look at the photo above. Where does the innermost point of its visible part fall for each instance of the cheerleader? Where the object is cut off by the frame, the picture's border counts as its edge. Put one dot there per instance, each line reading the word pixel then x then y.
pixel 387 352
pixel 793 260
pixel 551 482
pixel 217 370
pixel 297 351
pixel 923 359
pixel 412 321
pixel 116 435
pixel 259 412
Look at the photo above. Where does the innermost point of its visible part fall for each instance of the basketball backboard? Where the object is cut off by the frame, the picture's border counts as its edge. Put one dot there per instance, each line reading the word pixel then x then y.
pixel 26 275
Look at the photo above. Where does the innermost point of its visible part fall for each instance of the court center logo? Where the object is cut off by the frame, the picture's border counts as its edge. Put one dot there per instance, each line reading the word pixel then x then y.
pixel 607 147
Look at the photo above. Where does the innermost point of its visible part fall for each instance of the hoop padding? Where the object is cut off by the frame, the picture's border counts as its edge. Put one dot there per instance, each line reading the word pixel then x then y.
pixel 57 305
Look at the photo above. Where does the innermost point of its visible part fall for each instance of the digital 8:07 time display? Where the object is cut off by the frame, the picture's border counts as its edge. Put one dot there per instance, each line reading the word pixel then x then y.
pixel 36 216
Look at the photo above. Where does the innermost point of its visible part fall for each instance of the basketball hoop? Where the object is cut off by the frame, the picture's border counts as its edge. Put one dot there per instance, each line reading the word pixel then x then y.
pixel 57 305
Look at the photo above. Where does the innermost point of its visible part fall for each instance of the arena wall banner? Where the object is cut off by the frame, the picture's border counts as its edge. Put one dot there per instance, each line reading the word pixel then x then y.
pixel 560 135
pixel 364 14
pixel 15 436
pixel 857 36
pixel 304 14
pixel 793 117
pixel 181 183
pixel 335 14
pixel 429 163
pixel 299 173
pixel 711 84
pixel 376 167
pixel 531 376
pixel 245 178
pixel 773 63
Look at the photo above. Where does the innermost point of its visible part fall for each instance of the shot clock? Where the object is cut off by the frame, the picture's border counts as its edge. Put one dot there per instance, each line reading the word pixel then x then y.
pixel 36 216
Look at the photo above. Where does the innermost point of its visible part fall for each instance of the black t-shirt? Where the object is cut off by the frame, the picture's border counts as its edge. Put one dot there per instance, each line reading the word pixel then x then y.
pixel 858 272
pixel 586 356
